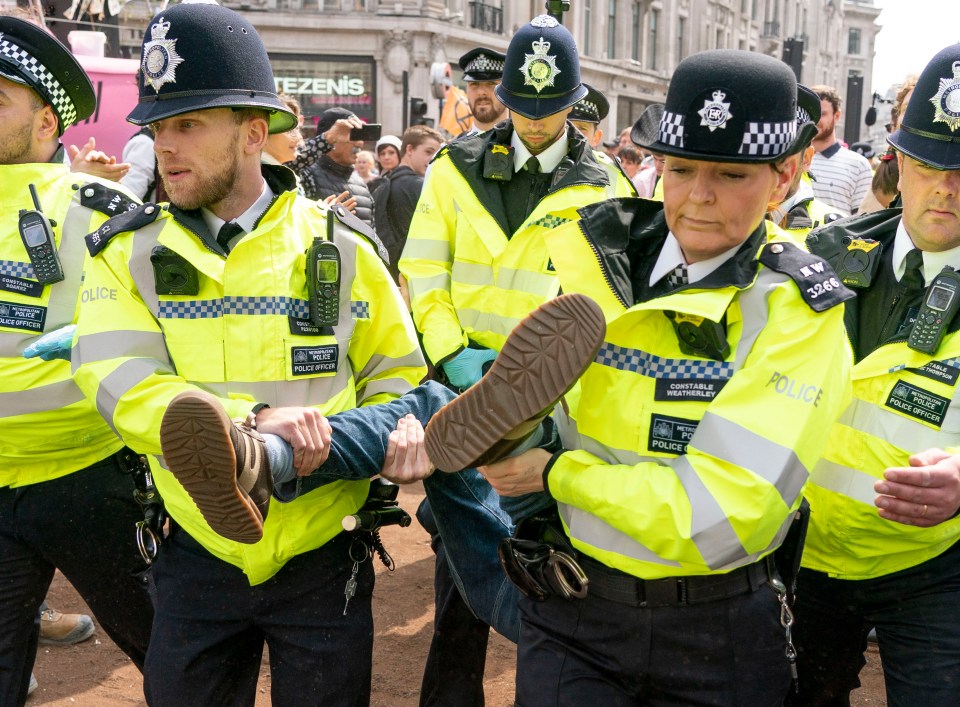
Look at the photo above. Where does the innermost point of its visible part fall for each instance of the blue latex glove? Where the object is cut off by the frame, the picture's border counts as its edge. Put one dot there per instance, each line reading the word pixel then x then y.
pixel 466 368
pixel 53 344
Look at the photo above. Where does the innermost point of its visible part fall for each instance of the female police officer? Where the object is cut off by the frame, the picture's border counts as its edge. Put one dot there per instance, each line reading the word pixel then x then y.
pixel 689 439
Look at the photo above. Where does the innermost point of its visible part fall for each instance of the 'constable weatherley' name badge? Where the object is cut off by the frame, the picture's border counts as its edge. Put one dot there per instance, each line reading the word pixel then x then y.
pixel 160 58
pixel 540 68
pixel 715 113
pixel 946 102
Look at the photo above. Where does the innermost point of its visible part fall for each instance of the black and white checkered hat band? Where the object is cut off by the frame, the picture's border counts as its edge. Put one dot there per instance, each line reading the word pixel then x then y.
pixel 671 129
pixel 803 116
pixel 768 139
pixel 485 64
pixel 10 52
pixel 589 110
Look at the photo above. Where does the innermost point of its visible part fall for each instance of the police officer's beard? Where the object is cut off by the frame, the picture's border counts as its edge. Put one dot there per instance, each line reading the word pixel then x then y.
pixel 209 189
pixel 15 147
pixel 486 111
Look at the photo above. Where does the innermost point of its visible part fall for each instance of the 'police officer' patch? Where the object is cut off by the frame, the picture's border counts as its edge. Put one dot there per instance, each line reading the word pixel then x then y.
pixel 670 435
pixel 918 403
pixel 311 360
pixel 19 316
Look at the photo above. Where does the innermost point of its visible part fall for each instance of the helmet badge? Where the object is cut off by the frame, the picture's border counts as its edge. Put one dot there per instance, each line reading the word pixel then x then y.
pixel 160 58
pixel 540 68
pixel 715 113
pixel 946 102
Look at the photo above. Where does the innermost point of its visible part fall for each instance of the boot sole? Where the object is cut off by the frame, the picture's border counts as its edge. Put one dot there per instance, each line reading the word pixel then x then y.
pixel 542 359
pixel 198 451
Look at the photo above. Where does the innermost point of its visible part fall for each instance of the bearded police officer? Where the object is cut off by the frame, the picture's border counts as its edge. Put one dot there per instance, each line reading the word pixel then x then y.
pixel 482 71
pixel 212 302
pixel 689 438
pixel 64 503
pixel 883 550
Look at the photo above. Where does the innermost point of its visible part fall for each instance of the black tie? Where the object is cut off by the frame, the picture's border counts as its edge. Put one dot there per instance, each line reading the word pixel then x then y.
pixel 913 275
pixel 678 276
pixel 228 232
pixel 532 165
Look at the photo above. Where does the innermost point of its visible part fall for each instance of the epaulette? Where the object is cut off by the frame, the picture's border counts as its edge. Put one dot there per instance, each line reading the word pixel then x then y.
pixel 102 198
pixel 797 218
pixel 819 285
pixel 351 221
pixel 127 221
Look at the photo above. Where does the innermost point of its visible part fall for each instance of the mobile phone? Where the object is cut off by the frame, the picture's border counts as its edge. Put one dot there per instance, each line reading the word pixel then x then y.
pixel 370 132
pixel 323 283
pixel 36 233
pixel 940 304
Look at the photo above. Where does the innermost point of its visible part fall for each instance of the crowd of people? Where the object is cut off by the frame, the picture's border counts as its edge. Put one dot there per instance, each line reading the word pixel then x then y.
pixel 682 404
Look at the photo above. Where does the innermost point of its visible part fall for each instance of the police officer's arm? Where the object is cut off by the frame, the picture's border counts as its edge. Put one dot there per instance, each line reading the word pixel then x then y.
pixel 384 352
pixel 427 262
pixel 120 359
pixel 730 495
pixel 924 494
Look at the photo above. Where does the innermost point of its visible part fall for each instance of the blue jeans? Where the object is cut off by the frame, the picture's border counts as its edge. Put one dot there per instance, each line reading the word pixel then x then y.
pixel 467 510
pixel 917 616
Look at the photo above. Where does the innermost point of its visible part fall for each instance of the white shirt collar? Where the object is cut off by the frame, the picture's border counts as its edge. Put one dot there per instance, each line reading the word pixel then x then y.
pixel 933 263
pixel 248 219
pixel 549 158
pixel 671 255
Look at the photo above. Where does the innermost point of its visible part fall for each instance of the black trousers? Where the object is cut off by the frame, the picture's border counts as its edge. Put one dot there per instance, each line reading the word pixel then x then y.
pixel 727 653
pixel 453 674
pixel 210 627
pixel 83 525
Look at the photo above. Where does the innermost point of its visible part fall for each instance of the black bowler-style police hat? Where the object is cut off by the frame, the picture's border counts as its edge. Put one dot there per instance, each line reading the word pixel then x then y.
pixel 728 105
pixel 482 64
pixel 201 55
pixel 31 56
pixel 541 74
pixel 592 108
pixel 930 129
pixel 808 115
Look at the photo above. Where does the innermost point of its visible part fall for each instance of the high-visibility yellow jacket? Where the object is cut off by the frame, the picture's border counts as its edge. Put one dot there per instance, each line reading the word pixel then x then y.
pixel 469 278
pixel 47 427
pixel 680 464
pixel 245 336
pixel 904 402
pixel 807 215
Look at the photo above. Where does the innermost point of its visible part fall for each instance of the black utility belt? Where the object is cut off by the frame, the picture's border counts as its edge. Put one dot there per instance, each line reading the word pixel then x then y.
pixel 622 588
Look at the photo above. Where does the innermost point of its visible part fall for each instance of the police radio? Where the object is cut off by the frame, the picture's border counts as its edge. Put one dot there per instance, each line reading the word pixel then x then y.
pixel 323 283
pixel 940 304
pixel 36 232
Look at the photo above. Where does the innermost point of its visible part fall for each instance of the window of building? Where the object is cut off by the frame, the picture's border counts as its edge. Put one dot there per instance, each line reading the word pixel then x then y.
pixel 612 30
pixel 681 37
pixel 635 39
pixel 853 41
pixel 653 26
pixel 587 25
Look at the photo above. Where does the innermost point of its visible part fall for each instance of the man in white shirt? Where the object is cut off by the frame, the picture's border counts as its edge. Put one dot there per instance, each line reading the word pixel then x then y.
pixel 841 177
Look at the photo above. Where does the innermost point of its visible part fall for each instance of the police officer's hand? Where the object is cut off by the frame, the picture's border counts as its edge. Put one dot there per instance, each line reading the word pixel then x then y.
pixel 466 368
pixel 925 493
pixel 340 131
pixel 89 160
pixel 345 199
pixel 516 476
pixel 305 429
pixel 52 345
pixel 406 460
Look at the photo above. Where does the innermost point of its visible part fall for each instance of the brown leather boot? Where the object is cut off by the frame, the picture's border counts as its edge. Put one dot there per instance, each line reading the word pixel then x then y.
pixel 220 463
pixel 543 357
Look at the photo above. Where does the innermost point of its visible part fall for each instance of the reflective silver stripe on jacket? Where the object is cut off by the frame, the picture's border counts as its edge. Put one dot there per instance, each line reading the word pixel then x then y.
pixel 421 285
pixel 900 431
pixel 40 399
pixel 852 483
pixel 426 249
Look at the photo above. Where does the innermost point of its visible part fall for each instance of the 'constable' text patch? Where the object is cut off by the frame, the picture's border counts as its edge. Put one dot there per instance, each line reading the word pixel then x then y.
pixel 21 316
pixel 670 435
pixel 679 389
pixel 311 360
pixel 918 403
pixel 939 371
pixel 29 288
